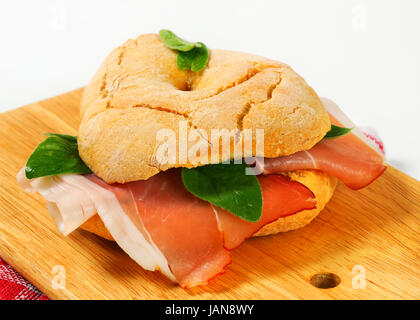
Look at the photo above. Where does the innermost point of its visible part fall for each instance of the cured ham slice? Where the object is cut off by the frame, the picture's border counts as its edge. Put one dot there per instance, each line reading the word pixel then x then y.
pixel 72 199
pixel 353 159
pixel 160 224
pixel 194 235
pixel 182 226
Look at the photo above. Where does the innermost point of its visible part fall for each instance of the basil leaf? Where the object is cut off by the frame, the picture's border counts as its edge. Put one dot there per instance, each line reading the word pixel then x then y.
pixel 336 132
pixel 226 186
pixel 194 60
pixel 174 42
pixel 191 55
pixel 58 154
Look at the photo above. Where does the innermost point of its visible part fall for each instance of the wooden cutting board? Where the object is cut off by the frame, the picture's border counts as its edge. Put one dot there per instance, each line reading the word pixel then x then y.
pixel 372 232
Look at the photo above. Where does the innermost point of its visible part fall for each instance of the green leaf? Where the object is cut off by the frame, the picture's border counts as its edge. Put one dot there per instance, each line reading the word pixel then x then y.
pixel 174 42
pixel 336 132
pixel 191 55
pixel 194 60
pixel 226 186
pixel 57 154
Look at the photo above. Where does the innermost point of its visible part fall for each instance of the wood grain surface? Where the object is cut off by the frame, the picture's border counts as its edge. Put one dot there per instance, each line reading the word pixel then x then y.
pixel 375 230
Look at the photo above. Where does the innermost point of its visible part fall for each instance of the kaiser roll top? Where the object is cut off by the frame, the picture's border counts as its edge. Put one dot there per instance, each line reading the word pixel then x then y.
pixel 139 90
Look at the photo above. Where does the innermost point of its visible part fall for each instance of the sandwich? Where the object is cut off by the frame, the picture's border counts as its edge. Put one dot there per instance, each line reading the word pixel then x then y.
pixel 184 152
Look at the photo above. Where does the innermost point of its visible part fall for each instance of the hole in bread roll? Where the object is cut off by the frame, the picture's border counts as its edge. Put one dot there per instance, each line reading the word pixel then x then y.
pixel 325 280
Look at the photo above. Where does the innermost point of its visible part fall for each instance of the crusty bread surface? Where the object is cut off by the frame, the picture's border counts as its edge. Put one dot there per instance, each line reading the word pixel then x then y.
pixel 139 90
pixel 321 184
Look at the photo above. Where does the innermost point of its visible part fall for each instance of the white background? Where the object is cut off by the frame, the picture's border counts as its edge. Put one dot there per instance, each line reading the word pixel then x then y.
pixel 362 54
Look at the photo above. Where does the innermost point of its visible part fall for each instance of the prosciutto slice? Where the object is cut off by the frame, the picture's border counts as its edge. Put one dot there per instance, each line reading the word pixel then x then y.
pixel 163 226
pixel 195 236
pixel 182 226
pixel 353 159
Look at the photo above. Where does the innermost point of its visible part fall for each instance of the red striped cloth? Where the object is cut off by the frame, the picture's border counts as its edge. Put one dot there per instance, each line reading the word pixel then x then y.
pixel 15 287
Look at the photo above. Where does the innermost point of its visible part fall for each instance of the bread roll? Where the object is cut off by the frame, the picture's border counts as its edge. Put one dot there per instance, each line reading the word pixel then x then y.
pixel 139 90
